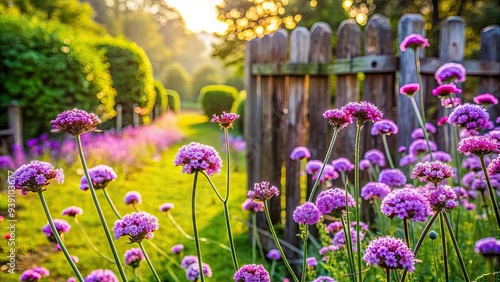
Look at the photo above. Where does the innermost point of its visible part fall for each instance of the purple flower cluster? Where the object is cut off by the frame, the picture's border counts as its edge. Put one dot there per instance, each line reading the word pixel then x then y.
pixel 485 100
pixel 133 197
pixel 414 40
pixel 75 122
pixel 188 260
pixel 137 225
pixel 445 90
pixel 165 207
pixel 451 102
pixel 375 157
pixel 384 126
pixel 333 202
pixel 406 203
pixel 339 238
pixel 433 172
pixel 494 167
pixel 193 271
pixel 263 191
pixel 363 111
pixel 133 257
pixel 100 175
pixel 6 163
pixel 225 120
pixel 488 247
pixel 375 190
pixel 419 146
pixel 101 275
pixel 441 197
pixel 306 214
pixel 409 89
pixel 329 172
pixel 198 157
pixel 252 273
pixel 177 249
pixel 450 72
pixel 34 274
pixel 273 254
pixel 72 211
pixel 299 153
pixel 311 262
pixel 313 166
pixel 250 205
pixel 338 118
pixel 392 177
pixel 479 145
pixel 470 116
pixel 389 252
pixel 62 226
pixel 437 156
pixel 35 175
pixel 342 164
pixel 324 279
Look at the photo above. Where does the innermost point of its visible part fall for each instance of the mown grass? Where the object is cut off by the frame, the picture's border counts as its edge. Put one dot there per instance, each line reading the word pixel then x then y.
pixel 159 182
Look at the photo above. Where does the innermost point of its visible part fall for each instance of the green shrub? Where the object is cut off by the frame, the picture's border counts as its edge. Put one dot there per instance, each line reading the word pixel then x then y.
pixel 161 97
pixel 48 68
pixel 176 77
pixel 132 76
pixel 174 101
pixel 217 98
pixel 239 108
pixel 203 76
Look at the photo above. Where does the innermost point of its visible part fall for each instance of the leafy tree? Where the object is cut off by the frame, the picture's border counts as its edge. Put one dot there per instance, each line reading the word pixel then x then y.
pixel 175 76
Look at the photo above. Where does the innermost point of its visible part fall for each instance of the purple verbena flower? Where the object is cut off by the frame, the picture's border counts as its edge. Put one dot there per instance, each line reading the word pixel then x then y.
pixel 363 111
pixel 252 273
pixel 479 145
pixel 313 166
pixel 441 197
pixel 100 175
pixel 402 149
pixel 42 271
pixel 338 118
pixel 389 252
pixel 165 207
pixel 198 157
pixel 494 167
pixel 433 172
pixel 442 120
pixel 438 156
pixel 324 279
pixel 329 172
pixel 263 191
pixel 133 197
pixel 392 177
pixel 273 254
pixel 193 271
pixel 62 226
pixel 339 238
pixel 485 100
pixel 333 202
pixel 342 164
pixel 469 116
pixel 414 41
pixel 306 214
pixel 488 247
pixel 137 225
pixel 35 175
pixel 225 120
pixel 177 249
pixel 384 126
pixel 419 146
pixel 451 102
pixel 188 260
pixel 334 226
pixel 472 163
pixel 75 122
pixel 133 257
pixel 72 211
pixel 311 262
pixel 375 190
pixel 408 160
pixel 299 153
pixel 30 276
pixel 364 164
pixel 375 157
pixel 100 275
pixel 406 203
pixel 445 90
pixel 6 162
pixel 409 89
pixel 250 205
pixel 450 72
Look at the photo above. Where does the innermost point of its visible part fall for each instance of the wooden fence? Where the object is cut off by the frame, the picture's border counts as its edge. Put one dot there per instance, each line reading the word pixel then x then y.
pixel 287 93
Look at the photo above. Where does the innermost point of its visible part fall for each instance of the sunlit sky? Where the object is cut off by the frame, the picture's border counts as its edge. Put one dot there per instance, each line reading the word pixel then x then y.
pixel 199 15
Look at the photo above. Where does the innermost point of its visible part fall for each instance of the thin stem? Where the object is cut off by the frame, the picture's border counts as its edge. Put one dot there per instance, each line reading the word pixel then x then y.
pixel 273 266
pixel 136 207
pixel 150 264
pixel 328 153
pixel 422 124
pixel 230 236
pixel 304 256
pixel 445 251
pixel 388 274
pixel 457 249
pixel 277 242
pixel 407 234
pixel 434 259
pixel 89 242
pixel 99 210
pixel 213 186
pixel 491 275
pixel 58 238
pixel 195 227
pixel 386 149
pixel 161 252
pixel 419 80
pixel 490 190
pixel 110 201
pixel 228 169
pixel 350 256
pixel 356 198
pixel 254 237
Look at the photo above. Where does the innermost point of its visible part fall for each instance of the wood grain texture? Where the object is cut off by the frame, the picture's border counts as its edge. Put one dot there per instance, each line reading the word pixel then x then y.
pixel 490 51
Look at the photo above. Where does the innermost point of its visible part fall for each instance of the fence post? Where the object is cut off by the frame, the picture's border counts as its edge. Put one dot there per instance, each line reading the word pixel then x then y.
pixel 408 24
pixel 300 42
pixel 15 121
pixel 135 115
pixel 490 51
pixel 119 117
pixel 319 95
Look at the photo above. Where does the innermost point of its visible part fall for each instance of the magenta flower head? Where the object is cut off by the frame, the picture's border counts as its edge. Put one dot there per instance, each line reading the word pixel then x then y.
pixel 375 157
pixel 30 276
pixel 451 102
pixel 445 90
pixel 299 153
pixel 311 262
pixel 389 253
pixel 306 214
pixel 469 116
pixel 342 164
pixel 193 271
pixel 375 190
pixel 225 120
pixel 75 122
pixel 419 146
pixel 384 126
pixel 494 167
pixel 62 226
pixel 101 275
pixel 250 205
pixel 100 175
pixel 406 203
pixel 6 162
pixel 479 145
pixel 165 207
pixel 442 120
pixel 273 254
pixel 313 166
pixel 409 89
pixel 251 273
pixel 72 211
pixel 263 191
pixel 133 257
pixel 334 226
pixel 414 41
pixel 392 177
pixel 450 72
pixel 333 202
pixel 488 247
pixel 433 172
pixel 35 175
pixel 338 118
pixel 324 279
pixel 441 197
pixel 137 225
pixel 363 111
pixel 485 100
pixel 177 249
pixel 133 197
pixel 198 157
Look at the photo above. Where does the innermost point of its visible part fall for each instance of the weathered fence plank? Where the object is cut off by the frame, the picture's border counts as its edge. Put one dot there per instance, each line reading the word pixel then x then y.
pixel 490 50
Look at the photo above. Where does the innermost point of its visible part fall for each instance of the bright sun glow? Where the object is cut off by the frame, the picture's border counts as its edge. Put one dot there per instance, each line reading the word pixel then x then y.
pixel 200 15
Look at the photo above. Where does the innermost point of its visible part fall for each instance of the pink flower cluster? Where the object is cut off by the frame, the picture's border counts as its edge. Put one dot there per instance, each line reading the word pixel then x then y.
pixel 198 157
pixel 389 252
pixel 137 225
pixel 406 203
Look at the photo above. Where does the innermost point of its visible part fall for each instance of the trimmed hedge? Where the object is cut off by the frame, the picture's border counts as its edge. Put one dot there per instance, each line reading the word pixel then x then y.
pixel 217 98
pixel 161 97
pixel 174 101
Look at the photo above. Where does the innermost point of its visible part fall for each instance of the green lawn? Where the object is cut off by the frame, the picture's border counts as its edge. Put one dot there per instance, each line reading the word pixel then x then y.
pixel 158 183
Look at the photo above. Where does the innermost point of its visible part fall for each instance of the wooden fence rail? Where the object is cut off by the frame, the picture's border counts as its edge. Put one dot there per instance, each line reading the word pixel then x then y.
pixel 288 92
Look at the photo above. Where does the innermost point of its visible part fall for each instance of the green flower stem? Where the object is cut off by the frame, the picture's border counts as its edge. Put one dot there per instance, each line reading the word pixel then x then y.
pixel 445 251
pixel 228 168
pixel 387 152
pixel 161 252
pixel 273 267
pixel 277 242
pixel 58 238
pixel 490 190
pixel 435 263
pixel 99 210
pixel 422 124
pixel 257 236
pixel 213 186
pixel 110 201
pixel 491 275
pixel 407 234
pixel 356 198
pixel 419 81
pixel 388 274
pixel 89 242
pixel 350 256
pixel 150 264
pixel 254 237
pixel 304 256
pixel 195 227
pixel 457 249
pixel 328 153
